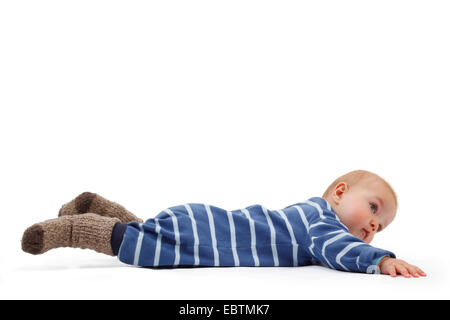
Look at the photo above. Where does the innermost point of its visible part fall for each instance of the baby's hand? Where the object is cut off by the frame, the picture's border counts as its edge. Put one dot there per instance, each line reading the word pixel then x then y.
pixel 393 266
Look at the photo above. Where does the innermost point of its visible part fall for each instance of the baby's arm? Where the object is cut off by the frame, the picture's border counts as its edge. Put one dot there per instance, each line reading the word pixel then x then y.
pixel 333 245
pixel 393 266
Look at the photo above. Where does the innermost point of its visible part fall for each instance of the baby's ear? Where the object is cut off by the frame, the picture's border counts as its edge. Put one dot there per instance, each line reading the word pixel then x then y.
pixel 340 189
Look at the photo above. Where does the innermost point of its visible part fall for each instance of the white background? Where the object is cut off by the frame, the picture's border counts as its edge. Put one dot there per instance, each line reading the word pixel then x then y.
pixel 157 103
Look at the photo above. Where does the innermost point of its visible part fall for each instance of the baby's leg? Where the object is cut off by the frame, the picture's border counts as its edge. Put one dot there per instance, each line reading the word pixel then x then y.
pixel 86 231
pixel 94 203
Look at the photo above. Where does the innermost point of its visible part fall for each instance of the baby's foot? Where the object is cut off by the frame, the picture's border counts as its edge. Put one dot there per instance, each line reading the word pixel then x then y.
pixel 87 231
pixel 79 205
pixel 94 203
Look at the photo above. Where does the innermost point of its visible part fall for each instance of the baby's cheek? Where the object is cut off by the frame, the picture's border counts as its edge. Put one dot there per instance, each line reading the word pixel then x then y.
pixel 359 219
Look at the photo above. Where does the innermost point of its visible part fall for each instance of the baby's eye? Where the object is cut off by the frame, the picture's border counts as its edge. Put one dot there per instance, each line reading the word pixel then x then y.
pixel 373 207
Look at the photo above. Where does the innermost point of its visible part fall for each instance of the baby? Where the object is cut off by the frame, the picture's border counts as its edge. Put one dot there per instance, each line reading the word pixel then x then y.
pixel 333 230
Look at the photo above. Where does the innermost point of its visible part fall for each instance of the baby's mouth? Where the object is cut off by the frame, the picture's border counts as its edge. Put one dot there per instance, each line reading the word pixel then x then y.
pixel 365 234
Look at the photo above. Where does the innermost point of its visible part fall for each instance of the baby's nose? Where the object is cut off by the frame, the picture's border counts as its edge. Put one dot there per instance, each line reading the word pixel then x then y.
pixel 374 225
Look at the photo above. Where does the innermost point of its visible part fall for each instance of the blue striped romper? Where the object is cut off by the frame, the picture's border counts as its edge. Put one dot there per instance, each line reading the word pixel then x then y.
pixel 196 234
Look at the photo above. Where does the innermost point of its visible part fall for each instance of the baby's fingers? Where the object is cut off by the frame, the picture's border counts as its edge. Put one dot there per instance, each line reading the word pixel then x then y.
pixel 403 271
pixel 415 271
pixel 396 266
pixel 423 274
pixel 391 271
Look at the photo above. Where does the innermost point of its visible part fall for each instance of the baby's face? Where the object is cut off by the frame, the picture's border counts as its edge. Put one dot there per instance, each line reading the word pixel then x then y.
pixel 365 209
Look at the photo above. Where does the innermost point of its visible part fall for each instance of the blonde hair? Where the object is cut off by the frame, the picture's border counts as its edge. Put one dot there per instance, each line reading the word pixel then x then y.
pixel 355 177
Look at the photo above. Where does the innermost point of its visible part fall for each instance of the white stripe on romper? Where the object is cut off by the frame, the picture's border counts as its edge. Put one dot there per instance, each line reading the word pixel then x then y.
pixel 253 237
pixel 312 246
pixel 233 238
pixel 341 234
pixel 293 240
pixel 272 238
pixel 317 224
pixel 344 251
pixel 158 243
pixel 213 235
pixel 177 236
pixel 319 209
pixel 302 215
pixel 194 231
pixel 137 251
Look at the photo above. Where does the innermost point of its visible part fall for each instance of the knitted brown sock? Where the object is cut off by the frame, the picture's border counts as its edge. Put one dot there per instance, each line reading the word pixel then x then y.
pixel 92 202
pixel 86 231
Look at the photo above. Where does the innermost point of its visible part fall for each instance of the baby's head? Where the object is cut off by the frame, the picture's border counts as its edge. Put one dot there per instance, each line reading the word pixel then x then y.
pixel 363 201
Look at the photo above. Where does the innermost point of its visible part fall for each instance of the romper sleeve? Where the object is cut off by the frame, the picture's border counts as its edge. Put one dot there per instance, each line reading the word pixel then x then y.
pixel 334 246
